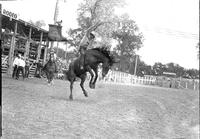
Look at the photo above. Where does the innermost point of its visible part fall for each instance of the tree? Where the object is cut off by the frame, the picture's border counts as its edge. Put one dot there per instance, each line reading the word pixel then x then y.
pixel 128 37
pixel 61 52
pixel 89 13
pixel 142 68
pixel 159 68
pixel 175 68
pixel 39 23
pixel 192 74
pixel 92 11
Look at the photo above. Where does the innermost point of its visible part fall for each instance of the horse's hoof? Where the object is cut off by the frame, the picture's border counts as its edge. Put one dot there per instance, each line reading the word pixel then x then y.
pixel 92 86
pixel 86 94
pixel 70 98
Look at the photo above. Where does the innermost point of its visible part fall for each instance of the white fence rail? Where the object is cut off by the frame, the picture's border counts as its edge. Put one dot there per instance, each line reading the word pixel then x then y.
pixel 117 77
pixel 127 79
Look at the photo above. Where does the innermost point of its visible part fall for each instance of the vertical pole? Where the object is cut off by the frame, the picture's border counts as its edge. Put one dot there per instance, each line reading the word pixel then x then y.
pixel 66 54
pixel 57 49
pixel 1 94
pixel 56 12
pixel 186 84
pixel 39 47
pixel 45 52
pixel 135 65
pixel 26 55
pixel 11 52
pixel 0 23
pixel 52 43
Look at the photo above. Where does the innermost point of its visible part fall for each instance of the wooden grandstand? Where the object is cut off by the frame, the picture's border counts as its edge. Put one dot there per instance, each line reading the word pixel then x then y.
pixel 18 36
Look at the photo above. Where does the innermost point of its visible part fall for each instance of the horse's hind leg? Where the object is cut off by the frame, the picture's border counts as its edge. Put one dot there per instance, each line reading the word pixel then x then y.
pixel 83 77
pixel 92 76
pixel 51 78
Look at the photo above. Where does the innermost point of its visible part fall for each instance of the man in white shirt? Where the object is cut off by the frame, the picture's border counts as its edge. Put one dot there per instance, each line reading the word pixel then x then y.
pixel 21 67
pixel 15 66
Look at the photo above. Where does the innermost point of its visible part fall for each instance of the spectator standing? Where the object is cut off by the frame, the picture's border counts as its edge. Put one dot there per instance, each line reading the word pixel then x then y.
pixel 21 67
pixel 38 69
pixel 15 65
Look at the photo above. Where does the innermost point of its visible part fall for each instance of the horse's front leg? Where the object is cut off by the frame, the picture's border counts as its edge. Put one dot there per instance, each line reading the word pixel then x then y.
pixel 48 78
pixel 96 76
pixel 51 78
pixel 83 77
pixel 92 76
pixel 71 88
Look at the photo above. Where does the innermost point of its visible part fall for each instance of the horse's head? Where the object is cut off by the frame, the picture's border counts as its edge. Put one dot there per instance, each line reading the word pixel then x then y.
pixel 105 57
pixel 108 63
pixel 105 68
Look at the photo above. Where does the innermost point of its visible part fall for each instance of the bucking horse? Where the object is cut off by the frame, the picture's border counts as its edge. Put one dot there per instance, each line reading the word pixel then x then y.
pixel 93 57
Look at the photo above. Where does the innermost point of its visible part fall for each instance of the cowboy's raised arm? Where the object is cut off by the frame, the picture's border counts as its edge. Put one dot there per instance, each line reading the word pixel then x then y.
pixel 92 28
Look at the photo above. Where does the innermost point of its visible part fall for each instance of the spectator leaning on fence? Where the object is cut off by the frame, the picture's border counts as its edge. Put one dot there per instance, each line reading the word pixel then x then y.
pixel 21 67
pixel 15 65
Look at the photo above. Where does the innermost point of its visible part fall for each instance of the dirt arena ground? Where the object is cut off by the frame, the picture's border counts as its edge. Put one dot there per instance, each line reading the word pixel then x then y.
pixel 33 110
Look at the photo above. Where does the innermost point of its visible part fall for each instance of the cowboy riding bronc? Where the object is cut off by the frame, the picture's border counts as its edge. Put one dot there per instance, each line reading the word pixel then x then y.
pixel 86 41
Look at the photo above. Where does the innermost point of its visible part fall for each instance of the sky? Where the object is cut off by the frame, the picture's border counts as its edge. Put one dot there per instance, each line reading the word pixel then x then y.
pixel 170 27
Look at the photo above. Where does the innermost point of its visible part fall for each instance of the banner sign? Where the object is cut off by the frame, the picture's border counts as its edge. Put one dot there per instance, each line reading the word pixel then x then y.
pixel 9 13
pixel 55 32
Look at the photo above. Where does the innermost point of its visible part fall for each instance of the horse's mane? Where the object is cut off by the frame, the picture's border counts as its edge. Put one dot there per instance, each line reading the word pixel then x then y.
pixel 105 52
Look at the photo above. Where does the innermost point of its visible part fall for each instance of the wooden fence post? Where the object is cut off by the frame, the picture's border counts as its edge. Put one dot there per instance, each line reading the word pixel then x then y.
pixel 194 86
pixel 186 85
pixel 45 52
pixel 11 52
pixel 0 22
pixel 27 49
pixel 39 47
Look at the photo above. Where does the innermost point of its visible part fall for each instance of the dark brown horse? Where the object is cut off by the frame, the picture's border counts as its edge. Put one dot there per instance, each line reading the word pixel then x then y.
pixel 93 57
pixel 50 68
